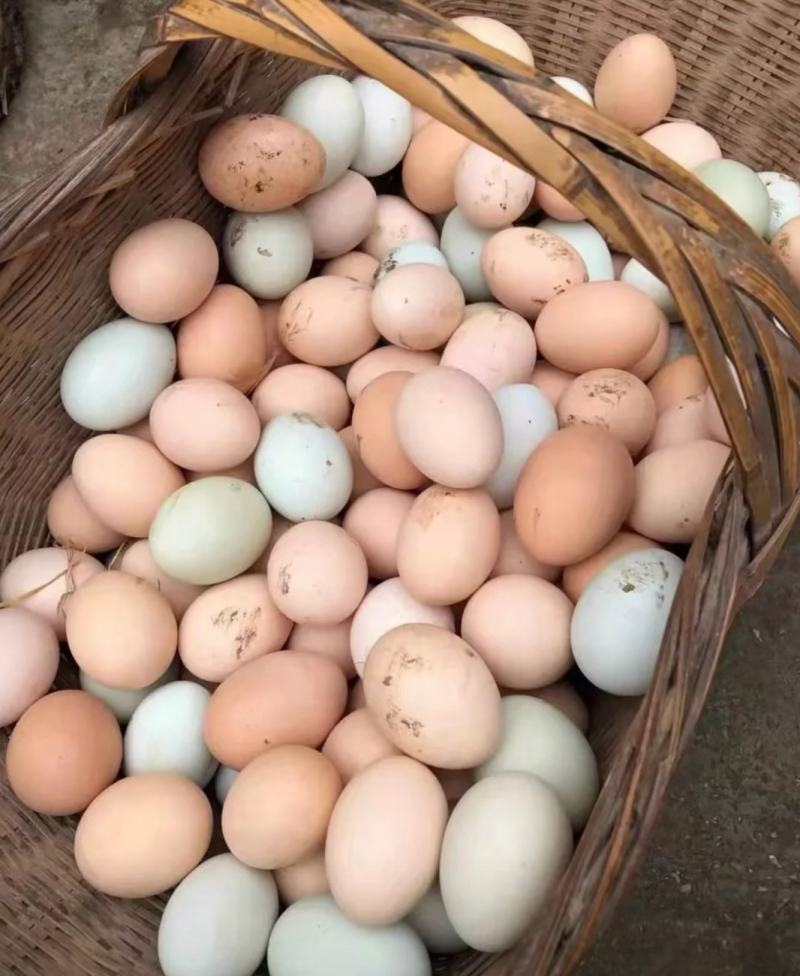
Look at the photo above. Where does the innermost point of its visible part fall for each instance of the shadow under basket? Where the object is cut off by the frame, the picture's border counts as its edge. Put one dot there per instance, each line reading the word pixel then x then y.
pixel 739 71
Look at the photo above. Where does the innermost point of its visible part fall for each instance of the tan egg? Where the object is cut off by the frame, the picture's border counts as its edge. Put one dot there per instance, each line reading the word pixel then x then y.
pixel 300 388
pixel 317 573
pixel 637 81
pixel 397 222
pixel 327 321
pixel 677 381
pixel 526 268
pixel 497 347
pixel 340 216
pixel 363 479
pixel 356 743
pixel 49 576
pixel 684 142
pixel 64 751
pixel 514 559
pixel 386 359
pixel 204 425
pixel 74 525
pixel 230 624
pixel 138 560
pixel 551 380
pixel 244 472
pixel 679 424
pixel 654 358
pixel 224 339
pixel 555 204
pixel 278 699
pixel 389 823
pixel 374 521
pixel 449 426
pixel 714 421
pixel 429 168
pixel 143 835
pixel 578 576
pixel 417 306
pixel 329 640
pixel 490 191
pixel 563 696
pixel 520 626
pixel 673 488
pixel 142 430
pixel 124 481
pixel 260 163
pixel 164 270
pixel 377 436
pixel 573 495
pixel 786 245
pixel 613 400
pixel 305 879
pixel 279 806
pixel 599 324
pixel 355 265
pixel 121 631
pixel 448 544
pixel 497 34
pixel 356 698
pixel 277 355
pixel 433 696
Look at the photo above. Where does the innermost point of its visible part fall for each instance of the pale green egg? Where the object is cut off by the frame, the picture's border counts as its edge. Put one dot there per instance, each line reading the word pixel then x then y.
pixel 741 188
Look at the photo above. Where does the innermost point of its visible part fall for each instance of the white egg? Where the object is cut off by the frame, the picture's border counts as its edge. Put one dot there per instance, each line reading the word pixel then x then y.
pixel 784 200
pixel 123 702
pixel 574 88
pixel 218 920
pixel 620 617
pixel 429 920
pixel 329 107
pixel 413 252
pixel 491 900
pixel 112 377
pixel 739 187
pixel 387 127
pixel 210 530
pixel 268 254
pixel 165 734
pixel 636 274
pixel 587 242
pixel 223 782
pixel 528 418
pixel 314 937
pixel 538 739
pixel 462 246
pixel 303 468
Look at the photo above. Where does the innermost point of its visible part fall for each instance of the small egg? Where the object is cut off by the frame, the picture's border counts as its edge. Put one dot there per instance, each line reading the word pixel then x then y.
pixel 636 274
pixel 555 204
pixel 741 188
pixel 578 576
pixel 497 347
pixel 386 359
pixel 429 919
pixel 784 200
pixel 429 167
pixel 268 254
pixel 356 743
pixel 304 879
pixel 682 422
pixel 355 264
pixel 374 521
pixel 685 143
pixel 300 388
pixel 74 525
pixel 563 696
pixel 363 479
pixel 497 34
pixel 678 380
pixel 654 358
pixel 613 400
pixel 417 306
pixel 163 270
pixel 329 640
pixel 491 192
pixel 551 380
pixel 462 245
pixel 514 559
pixel 786 246
pixel 387 127
pixel 123 702
pixel 397 222
pixel 28 661
pixel 340 216
pixel 574 88
pixel 412 252
pixel 637 81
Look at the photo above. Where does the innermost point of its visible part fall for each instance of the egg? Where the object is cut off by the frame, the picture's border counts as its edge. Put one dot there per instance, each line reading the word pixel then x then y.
pixel 519 625
pixel 397 222
pixel 573 495
pixel 637 81
pixel 742 190
pixel 317 573
pixel 210 530
pixel 355 743
pixel 137 560
pixel 29 659
pixel 268 254
pixel 112 376
pixel 462 245
pixel 387 127
pixel 429 919
pixel 74 525
pixel 612 400
pixel 388 823
pixel 682 422
pixel 685 143
pixel 497 347
pixel 786 246
pixel 578 576
pixel 218 919
pixel 355 264
pixel 304 879
pixel 526 268
pixel 491 902
pixel 678 380
pixel 330 640
pixel 300 388
pixel 620 618
pixel 386 359
pixel 260 163
pixel 329 107
pixel 673 487
pixel 340 216
pixel 223 780
pixel 450 427
pixel 412 252
pixel 784 200
pixel 555 204
pixel 374 520
pixel 264 833
pixel 497 34
pixel 429 167
pixel 713 420
pixel 123 702
pixel 433 696
pixel 417 306
pixel 551 380
pixel 656 355
pixel 638 276
pixel 143 835
pixel 490 191
pixel 161 272
pixel 363 479
pixel 514 559
pixel 574 88
pixel 563 696
pixel 587 242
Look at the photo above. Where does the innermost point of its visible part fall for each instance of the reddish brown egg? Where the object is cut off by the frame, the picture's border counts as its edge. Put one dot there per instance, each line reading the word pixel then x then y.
pixel 429 167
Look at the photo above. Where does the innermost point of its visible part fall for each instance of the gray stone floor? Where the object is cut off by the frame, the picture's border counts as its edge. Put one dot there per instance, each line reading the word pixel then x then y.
pixel 719 894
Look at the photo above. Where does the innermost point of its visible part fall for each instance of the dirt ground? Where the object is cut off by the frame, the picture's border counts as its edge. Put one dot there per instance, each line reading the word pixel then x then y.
pixel 719 894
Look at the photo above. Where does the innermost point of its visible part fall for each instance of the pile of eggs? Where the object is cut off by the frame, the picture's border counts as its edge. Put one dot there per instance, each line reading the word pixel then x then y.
pixel 351 520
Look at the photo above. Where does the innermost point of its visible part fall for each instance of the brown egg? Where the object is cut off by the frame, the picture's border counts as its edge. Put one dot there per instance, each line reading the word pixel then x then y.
pixel 786 245
pixel 433 697
pixel 329 640
pixel 526 268
pixel 685 143
pixel 497 34
pixel 305 879
pixel 573 495
pixel 278 808
pixel 121 631
pixel 429 168
pixel 164 270
pixel 555 204
pixel 317 573
pixel 714 421
pixel 138 561
pixel 279 699
pixel 300 388
pixel 578 576
pixel 260 163
pixel 497 347
pixel 340 216
pixel 244 472
pixel 142 430
pixel 224 339
pixel 386 359
pixel 363 479
pixel 655 356
pixel 277 355
pixel 417 306
pixel 356 265
pixel 551 380
pixel 563 696
pixel 327 321
pixel 677 381
pixel 448 544
pixel 124 481
pixel 74 525
pixel 143 835
pixel 613 400
pixel 397 222
pixel 673 487
pixel 636 83
pixel 374 521
pixel 356 743
pixel 682 422
pixel 514 559
pixel 599 324
pixel 64 751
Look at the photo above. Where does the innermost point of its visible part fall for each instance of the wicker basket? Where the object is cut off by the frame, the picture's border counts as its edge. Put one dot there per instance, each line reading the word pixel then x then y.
pixel 739 67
